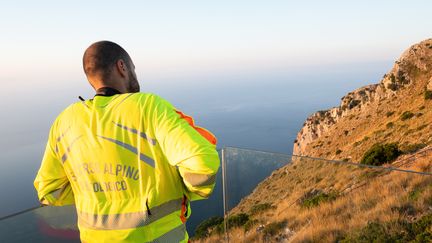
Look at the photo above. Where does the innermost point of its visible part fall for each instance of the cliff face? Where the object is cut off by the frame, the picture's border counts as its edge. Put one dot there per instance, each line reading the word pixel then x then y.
pixel 409 78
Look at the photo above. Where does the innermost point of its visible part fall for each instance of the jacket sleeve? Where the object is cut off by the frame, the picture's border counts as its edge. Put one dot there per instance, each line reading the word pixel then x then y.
pixel 51 183
pixel 190 148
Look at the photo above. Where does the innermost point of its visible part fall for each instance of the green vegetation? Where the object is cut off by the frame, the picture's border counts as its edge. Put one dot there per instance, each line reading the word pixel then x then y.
pixel 216 224
pixel 273 228
pixel 401 77
pixel 392 78
pixel 338 151
pixel 259 208
pixel 406 115
pixel 395 231
pixel 203 229
pixel 353 104
pixel 315 199
pixel 238 220
pixel 249 224
pixel 414 195
pixel 380 154
pixel 392 86
pixel 390 125
pixel 428 94
pixel 389 113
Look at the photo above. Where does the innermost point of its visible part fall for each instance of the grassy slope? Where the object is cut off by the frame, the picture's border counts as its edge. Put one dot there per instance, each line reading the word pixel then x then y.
pixel 362 195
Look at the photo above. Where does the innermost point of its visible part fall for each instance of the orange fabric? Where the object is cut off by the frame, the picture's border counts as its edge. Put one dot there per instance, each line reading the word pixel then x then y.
pixel 183 210
pixel 205 133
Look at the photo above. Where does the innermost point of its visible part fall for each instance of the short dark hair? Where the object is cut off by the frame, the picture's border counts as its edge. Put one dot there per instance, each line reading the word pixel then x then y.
pixel 101 56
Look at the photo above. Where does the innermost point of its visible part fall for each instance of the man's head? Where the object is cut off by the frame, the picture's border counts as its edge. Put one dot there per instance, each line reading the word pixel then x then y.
pixel 107 64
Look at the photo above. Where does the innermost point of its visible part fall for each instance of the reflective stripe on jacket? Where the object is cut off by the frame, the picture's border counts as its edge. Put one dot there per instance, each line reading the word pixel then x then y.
pixel 130 162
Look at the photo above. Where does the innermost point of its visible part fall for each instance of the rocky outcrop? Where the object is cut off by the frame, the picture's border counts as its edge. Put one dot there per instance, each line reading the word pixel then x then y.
pixel 416 59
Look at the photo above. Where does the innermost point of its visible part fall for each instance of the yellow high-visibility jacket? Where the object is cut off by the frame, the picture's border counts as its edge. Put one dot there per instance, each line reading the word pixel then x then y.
pixel 130 163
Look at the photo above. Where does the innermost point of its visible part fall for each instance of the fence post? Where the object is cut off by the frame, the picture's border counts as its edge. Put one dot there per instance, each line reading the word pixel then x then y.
pixel 225 196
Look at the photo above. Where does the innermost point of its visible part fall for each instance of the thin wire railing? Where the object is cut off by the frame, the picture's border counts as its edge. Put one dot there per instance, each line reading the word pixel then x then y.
pixel 20 212
pixel 389 168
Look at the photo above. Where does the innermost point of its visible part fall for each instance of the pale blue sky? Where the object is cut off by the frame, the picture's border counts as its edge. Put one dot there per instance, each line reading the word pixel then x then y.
pixel 43 41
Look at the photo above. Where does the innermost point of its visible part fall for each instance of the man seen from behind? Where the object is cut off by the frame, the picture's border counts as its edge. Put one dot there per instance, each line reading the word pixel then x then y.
pixel 129 161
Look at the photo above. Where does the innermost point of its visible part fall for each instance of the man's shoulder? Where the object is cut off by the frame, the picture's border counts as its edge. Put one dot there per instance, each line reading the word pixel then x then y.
pixel 64 115
pixel 148 99
pixel 70 108
pixel 143 95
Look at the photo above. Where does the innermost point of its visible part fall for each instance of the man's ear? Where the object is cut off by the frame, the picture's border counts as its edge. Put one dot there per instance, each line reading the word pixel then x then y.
pixel 122 68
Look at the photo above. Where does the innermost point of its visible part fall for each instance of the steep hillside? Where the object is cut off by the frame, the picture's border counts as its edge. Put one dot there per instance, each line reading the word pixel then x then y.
pixel 320 200
pixel 397 109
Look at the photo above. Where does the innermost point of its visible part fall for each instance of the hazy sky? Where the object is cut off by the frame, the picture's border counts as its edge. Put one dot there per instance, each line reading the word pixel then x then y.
pixel 186 41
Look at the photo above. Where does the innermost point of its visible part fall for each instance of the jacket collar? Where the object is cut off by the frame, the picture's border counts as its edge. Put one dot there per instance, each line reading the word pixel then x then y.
pixel 107 91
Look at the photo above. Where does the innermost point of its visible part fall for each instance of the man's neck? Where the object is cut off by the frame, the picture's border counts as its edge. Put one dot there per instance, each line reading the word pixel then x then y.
pixel 107 91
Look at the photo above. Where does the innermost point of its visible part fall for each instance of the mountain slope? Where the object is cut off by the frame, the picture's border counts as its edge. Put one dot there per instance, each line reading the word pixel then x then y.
pixel 322 201
pixel 394 110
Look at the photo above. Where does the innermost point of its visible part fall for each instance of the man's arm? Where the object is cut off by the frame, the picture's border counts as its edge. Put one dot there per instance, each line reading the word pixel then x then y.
pixel 51 182
pixel 186 147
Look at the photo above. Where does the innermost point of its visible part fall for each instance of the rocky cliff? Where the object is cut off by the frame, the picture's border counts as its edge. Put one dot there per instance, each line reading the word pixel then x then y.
pixel 409 79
